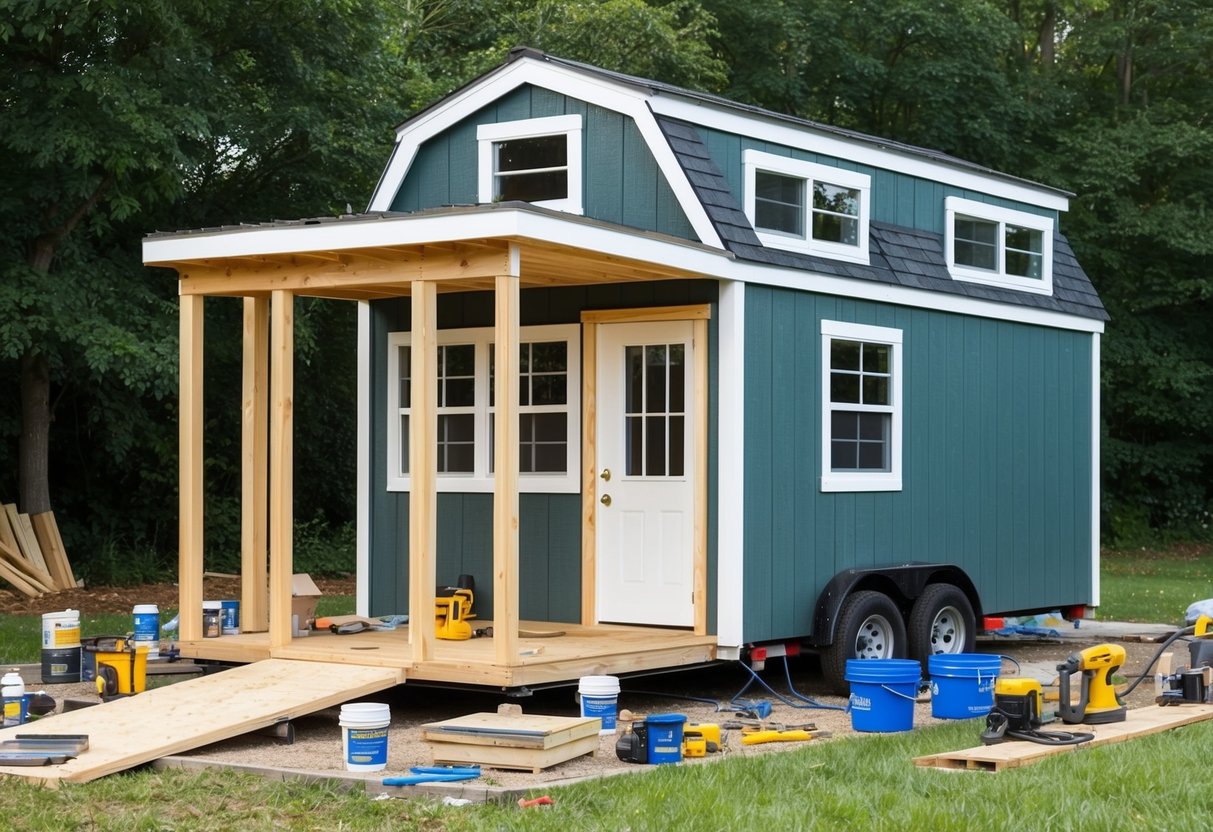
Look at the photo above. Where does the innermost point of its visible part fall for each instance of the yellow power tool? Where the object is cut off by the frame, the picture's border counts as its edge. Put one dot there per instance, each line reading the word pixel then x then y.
pixel 1097 702
pixel 453 608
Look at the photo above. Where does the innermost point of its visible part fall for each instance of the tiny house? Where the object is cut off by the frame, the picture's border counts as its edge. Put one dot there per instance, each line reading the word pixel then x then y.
pixel 672 378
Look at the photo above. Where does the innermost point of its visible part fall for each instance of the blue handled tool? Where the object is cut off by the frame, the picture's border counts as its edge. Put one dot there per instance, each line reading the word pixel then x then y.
pixel 433 774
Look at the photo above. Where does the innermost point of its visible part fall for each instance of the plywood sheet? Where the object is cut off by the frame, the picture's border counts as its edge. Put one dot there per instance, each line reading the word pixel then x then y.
pixel 512 730
pixel 1139 722
pixel 189 714
pixel 526 759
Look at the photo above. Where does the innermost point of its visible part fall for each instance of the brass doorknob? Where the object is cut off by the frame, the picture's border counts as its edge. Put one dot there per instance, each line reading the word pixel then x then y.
pixel 606 499
pixel 606 474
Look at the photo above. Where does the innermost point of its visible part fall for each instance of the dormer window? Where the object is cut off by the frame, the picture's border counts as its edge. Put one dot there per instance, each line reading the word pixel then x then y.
pixel 807 207
pixel 536 160
pixel 998 246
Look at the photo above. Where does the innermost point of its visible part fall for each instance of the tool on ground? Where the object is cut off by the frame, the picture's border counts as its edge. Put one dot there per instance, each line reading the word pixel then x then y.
pixel 700 739
pixel 761 737
pixel 433 774
pixel 1098 703
pixel 42 749
pixel 121 666
pixel 453 609
pixel 1194 683
pixel 1018 714
pixel 767 725
pixel 633 744
pixel 523 803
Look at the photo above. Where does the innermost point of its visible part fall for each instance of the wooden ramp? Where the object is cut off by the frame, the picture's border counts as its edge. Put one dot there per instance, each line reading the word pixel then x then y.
pixel 128 732
pixel 1139 722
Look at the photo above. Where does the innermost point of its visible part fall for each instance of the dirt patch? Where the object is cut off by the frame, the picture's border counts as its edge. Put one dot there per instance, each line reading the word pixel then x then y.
pixel 317 746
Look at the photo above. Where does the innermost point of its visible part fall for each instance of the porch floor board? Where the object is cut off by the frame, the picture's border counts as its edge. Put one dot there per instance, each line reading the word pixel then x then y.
pixel 602 649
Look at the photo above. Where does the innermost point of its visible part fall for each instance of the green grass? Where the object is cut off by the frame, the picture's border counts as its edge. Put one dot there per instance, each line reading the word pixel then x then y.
pixel 866 783
pixel 1150 585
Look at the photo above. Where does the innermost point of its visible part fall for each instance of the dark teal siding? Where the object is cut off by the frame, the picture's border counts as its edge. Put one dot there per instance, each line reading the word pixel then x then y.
pixel 996 460
pixel 897 198
pixel 549 524
pixel 621 180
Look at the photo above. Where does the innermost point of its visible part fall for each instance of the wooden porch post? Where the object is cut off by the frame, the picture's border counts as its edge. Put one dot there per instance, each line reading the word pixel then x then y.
pixel 281 479
pixel 505 470
pixel 253 474
pixel 190 469
pixel 423 489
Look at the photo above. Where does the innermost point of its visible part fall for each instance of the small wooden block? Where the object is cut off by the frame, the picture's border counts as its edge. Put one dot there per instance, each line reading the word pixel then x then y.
pixel 509 709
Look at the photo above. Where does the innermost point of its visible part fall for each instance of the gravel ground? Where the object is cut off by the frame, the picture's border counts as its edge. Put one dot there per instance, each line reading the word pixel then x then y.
pixel 317 746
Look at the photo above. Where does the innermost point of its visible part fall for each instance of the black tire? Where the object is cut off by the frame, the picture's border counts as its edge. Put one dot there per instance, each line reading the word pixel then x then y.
pixel 869 626
pixel 941 621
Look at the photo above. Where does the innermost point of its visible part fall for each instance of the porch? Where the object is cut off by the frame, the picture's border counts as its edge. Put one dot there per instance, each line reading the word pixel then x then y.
pixel 564 652
pixel 500 249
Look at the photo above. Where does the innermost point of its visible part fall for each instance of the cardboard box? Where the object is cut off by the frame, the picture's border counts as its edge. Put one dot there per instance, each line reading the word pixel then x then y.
pixel 304 594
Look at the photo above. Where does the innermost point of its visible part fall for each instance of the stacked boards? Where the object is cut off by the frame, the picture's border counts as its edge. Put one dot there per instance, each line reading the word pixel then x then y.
pixel 33 560
pixel 512 741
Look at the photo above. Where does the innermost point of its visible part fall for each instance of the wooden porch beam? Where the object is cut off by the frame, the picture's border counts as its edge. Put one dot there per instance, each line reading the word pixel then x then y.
pixel 190 470
pixel 505 472
pixel 254 478
pixel 423 491
pixel 589 473
pixel 353 271
pixel 281 464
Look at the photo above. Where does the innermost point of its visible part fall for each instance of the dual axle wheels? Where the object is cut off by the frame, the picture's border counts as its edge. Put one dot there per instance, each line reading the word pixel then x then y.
pixel 871 626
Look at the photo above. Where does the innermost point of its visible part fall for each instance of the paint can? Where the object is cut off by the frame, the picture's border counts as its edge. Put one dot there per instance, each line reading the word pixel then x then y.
pixel 665 738
pixel 364 731
pixel 61 647
pixel 599 697
pixel 883 693
pixel 147 628
pixel 229 619
pixel 962 684
pixel 212 613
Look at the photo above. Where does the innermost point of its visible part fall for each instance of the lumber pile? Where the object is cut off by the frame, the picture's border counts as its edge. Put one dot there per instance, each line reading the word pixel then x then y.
pixel 33 560
pixel 512 740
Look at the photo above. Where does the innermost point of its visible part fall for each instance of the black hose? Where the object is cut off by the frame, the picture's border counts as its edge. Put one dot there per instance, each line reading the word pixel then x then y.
pixel 1186 631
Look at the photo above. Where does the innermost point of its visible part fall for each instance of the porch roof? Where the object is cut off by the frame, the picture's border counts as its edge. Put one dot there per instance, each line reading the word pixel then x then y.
pixel 461 248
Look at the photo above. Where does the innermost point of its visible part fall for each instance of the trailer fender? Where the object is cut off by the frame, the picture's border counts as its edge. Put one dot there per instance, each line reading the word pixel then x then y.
pixel 902 582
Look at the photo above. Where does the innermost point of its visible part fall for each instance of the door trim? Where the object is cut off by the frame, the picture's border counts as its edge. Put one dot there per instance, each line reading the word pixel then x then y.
pixel 699 314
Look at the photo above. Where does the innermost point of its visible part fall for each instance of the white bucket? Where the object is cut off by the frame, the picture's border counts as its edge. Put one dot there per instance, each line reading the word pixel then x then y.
pixel 61 647
pixel 147 629
pixel 599 697
pixel 364 735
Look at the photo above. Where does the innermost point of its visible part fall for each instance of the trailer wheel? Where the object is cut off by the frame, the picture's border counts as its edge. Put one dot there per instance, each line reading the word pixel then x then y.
pixel 869 627
pixel 941 621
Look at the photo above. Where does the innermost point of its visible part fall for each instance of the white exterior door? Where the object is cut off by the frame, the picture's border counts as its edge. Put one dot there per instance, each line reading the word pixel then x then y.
pixel 645 460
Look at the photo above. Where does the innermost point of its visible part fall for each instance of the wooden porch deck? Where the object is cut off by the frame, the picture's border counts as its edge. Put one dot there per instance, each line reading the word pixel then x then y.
pixel 602 649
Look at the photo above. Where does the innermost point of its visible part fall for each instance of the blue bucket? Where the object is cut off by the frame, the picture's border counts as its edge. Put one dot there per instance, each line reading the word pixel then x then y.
pixel 665 738
pixel 962 684
pixel 883 693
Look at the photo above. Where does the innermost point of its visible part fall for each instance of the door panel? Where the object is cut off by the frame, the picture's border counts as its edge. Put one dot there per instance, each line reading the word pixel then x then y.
pixel 645 515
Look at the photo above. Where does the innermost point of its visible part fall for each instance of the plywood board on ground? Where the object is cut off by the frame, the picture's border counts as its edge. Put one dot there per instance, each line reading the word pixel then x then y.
pixel 512 730
pixel 1139 722
pixel 498 756
pixel 189 714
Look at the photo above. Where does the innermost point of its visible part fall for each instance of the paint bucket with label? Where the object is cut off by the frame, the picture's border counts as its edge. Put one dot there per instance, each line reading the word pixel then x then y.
pixel 599 697
pixel 883 693
pixel 212 614
pixel 16 704
pixel 962 684
pixel 364 727
pixel 147 628
pixel 229 617
pixel 665 738
pixel 61 647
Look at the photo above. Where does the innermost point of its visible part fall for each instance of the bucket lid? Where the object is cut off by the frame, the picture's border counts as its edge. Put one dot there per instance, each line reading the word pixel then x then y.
pixel 963 664
pixel 891 671
pixel 64 614
pixel 665 719
pixel 144 608
pixel 600 685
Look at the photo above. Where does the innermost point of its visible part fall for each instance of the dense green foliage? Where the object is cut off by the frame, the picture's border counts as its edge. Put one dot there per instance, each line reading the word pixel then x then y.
pixel 117 119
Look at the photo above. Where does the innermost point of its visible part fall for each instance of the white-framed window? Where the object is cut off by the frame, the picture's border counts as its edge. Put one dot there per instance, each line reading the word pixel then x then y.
pixel 998 246
pixel 536 160
pixel 861 406
pixel 806 207
pixel 549 409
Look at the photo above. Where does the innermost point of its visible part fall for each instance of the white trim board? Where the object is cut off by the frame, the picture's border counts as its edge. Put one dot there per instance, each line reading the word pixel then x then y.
pixel 524 224
pixel 770 129
pixel 560 79
pixel 730 486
